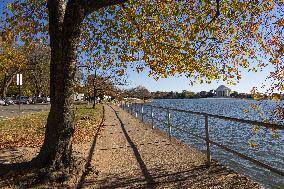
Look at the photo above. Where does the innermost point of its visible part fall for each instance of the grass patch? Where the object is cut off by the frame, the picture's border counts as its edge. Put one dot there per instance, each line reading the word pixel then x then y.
pixel 28 130
pixel 85 112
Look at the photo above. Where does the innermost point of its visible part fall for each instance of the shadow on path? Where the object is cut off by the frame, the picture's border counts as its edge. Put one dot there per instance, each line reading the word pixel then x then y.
pixel 196 175
pixel 149 179
pixel 88 166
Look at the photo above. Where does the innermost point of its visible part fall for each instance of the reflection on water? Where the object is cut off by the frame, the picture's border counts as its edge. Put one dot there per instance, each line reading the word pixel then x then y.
pixel 237 136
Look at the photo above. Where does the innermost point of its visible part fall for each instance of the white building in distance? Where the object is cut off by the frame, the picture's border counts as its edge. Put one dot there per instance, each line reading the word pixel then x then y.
pixel 223 91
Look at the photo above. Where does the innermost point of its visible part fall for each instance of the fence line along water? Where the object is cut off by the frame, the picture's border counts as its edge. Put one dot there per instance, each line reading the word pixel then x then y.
pixel 136 109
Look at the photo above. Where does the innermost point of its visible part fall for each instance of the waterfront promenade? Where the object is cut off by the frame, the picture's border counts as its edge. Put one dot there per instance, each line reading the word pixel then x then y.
pixel 128 153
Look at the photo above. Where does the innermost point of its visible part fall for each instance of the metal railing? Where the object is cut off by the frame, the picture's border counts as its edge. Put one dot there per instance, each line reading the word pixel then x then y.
pixel 132 107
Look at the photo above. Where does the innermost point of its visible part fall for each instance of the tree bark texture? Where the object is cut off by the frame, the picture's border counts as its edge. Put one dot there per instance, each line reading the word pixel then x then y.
pixel 65 19
pixel 64 30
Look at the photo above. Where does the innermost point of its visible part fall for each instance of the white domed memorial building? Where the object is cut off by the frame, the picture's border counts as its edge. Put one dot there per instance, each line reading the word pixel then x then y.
pixel 223 91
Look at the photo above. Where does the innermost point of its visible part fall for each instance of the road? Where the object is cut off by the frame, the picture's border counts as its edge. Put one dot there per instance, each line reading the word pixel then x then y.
pixel 13 110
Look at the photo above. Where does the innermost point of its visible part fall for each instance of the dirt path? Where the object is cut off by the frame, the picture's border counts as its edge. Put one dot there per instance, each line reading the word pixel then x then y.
pixel 130 154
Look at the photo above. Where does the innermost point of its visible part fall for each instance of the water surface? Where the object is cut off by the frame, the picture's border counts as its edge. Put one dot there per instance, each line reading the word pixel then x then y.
pixel 234 135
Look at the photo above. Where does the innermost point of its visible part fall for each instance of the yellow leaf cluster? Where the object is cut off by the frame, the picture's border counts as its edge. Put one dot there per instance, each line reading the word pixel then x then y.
pixel 11 57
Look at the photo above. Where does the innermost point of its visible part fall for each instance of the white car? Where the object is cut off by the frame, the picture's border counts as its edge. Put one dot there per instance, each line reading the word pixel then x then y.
pixel 2 102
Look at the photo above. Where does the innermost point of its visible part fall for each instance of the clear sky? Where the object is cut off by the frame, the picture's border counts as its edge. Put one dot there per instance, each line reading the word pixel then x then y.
pixel 248 81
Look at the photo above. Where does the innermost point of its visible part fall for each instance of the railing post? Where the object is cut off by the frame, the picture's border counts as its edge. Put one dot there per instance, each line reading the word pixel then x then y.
pixel 135 111
pixel 142 112
pixel 152 118
pixel 207 140
pixel 131 109
pixel 169 123
pixel 135 106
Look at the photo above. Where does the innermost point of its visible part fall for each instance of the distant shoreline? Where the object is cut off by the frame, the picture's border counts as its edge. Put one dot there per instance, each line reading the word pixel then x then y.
pixel 219 98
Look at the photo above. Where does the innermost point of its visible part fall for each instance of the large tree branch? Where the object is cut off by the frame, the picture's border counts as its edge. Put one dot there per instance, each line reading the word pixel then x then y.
pixel 56 11
pixel 217 13
pixel 92 5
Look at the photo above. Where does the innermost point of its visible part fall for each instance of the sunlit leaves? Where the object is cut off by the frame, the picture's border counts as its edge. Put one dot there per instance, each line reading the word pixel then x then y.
pixel 172 37
pixel 11 57
pixel 29 20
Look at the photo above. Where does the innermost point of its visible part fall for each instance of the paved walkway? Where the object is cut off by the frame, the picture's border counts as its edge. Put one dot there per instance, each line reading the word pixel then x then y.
pixel 11 111
pixel 130 154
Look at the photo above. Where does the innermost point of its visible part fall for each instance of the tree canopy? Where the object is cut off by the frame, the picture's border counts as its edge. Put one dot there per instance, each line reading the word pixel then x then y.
pixel 204 40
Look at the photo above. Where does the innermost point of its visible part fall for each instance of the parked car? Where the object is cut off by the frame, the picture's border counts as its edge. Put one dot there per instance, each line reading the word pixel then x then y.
pixel 22 100
pixel 9 101
pixel 37 99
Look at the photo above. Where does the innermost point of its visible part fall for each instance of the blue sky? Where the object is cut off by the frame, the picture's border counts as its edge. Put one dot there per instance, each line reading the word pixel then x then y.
pixel 248 81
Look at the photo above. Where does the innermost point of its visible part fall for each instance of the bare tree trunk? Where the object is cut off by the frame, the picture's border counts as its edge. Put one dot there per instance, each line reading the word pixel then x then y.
pixel 38 87
pixel 95 93
pixel 95 96
pixel 64 30
pixel 2 90
pixel 6 83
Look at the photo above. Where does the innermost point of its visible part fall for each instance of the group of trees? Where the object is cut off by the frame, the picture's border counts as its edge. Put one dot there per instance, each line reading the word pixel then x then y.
pixel 139 92
pixel 96 78
pixel 203 40
pixel 37 72
pixel 32 63
pixel 183 94
pixel 11 59
pixel 100 77
pixel 96 86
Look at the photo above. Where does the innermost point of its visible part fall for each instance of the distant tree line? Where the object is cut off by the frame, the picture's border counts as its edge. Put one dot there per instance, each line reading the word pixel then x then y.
pixel 181 95
pixel 143 93
pixel 139 92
